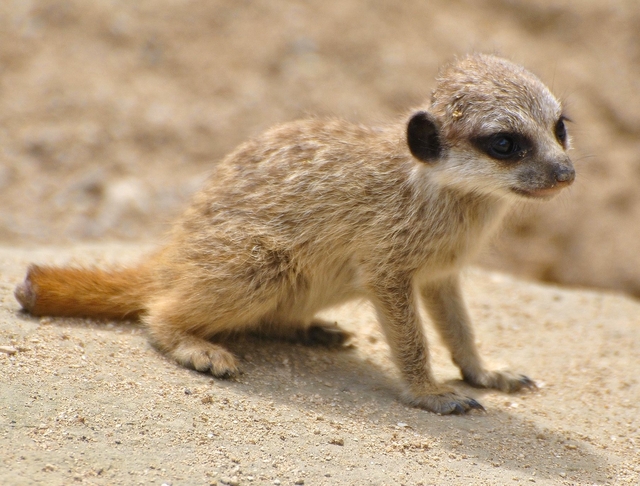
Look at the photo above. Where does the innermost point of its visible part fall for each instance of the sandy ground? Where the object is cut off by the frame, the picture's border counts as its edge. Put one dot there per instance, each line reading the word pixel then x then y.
pixel 86 402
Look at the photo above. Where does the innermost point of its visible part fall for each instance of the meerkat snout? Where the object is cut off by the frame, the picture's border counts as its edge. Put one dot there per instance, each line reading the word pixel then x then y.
pixel 543 177
pixel 565 174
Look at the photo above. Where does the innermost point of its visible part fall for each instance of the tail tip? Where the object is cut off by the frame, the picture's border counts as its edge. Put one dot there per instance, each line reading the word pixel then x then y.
pixel 25 294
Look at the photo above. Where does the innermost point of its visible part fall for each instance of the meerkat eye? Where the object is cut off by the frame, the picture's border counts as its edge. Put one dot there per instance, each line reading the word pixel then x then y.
pixel 561 131
pixel 503 146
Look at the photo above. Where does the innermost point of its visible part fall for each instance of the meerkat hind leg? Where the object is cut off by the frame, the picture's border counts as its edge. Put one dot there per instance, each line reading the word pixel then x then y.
pixel 325 333
pixel 173 332
pixel 202 355
pixel 317 333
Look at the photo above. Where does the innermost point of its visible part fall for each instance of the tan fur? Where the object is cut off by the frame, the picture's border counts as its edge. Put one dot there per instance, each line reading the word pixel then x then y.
pixel 315 213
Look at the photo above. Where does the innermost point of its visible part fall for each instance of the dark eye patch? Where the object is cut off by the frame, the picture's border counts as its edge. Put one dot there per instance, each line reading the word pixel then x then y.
pixel 561 131
pixel 508 146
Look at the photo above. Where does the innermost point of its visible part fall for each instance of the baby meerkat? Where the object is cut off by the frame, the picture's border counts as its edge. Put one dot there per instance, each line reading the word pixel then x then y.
pixel 315 213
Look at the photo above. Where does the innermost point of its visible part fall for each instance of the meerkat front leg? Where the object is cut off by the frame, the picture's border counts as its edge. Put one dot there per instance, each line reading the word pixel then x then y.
pixel 396 308
pixel 443 300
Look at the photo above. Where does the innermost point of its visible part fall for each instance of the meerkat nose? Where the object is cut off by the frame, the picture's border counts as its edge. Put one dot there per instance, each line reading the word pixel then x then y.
pixel 565 175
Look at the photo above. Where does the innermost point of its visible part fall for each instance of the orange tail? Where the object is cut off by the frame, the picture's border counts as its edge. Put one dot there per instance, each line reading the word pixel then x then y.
pixel 84 292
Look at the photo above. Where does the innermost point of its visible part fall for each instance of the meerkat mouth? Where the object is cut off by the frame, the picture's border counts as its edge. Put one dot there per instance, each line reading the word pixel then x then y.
pixel 541 193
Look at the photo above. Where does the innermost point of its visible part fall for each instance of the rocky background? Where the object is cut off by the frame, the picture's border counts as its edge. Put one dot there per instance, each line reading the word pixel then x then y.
pixel 112 112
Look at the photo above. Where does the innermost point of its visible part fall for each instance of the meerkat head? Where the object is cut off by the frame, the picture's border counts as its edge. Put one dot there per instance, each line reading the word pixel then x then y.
pixel 493 128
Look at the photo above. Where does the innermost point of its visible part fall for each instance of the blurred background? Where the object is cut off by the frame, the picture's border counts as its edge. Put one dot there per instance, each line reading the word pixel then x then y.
pixel 112 112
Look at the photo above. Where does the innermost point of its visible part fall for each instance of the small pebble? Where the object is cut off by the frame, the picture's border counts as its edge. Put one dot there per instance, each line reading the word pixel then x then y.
pixel 232 481
pixel 10 350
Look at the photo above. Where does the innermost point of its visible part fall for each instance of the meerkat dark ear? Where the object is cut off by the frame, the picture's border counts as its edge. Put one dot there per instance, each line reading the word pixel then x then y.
pixel 423 137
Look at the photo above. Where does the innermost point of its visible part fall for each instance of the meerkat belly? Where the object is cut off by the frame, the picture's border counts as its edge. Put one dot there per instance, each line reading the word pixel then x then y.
pixel 324 285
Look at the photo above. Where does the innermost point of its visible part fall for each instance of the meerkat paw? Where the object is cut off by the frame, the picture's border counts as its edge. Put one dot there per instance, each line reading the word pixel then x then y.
pixel 504 381
pixel 318 333
pixel 322 333
pixel 204 356
pixel 447 402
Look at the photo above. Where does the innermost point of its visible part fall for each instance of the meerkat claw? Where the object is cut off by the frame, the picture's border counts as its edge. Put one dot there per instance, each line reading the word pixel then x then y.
pixel 458 408
pixel 325 335
pixel 475 405
pixel 528 383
